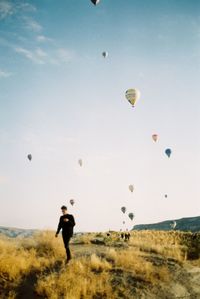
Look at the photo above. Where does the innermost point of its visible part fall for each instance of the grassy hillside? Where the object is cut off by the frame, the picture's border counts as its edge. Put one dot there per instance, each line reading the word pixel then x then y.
pixel 191 224
pixel 151 265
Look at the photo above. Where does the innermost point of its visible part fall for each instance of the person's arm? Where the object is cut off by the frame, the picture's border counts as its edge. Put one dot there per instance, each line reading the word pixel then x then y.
pixel 59 227
pixel 72 221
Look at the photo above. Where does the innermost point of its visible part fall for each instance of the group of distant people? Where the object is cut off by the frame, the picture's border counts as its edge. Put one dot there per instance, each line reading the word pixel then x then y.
pixel 125 236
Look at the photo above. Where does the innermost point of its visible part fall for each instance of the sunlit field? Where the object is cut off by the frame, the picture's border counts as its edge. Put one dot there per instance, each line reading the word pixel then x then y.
pixel 150 265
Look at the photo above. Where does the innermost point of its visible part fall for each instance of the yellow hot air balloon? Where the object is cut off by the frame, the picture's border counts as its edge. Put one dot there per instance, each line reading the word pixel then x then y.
pixel 132 95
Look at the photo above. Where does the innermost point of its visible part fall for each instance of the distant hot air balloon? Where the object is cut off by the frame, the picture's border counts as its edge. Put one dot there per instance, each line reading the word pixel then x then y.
pixel 168 152
pixel 155 137
pixel 173 224
pixel 132 95
pixel 131 188
pixel 166 195
pixel 105 54
pixel 131 216
pixel 80 162
pixel 72 202
pixel 124 222
pixel 95 2
pixel 123 209
pixel 29 157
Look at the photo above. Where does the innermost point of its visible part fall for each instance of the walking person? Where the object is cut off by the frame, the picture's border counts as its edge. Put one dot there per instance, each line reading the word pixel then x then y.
pixel 66 223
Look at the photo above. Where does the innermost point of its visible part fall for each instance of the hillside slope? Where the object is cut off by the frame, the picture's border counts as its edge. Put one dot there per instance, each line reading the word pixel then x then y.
pixel 13 232
pixel 184 224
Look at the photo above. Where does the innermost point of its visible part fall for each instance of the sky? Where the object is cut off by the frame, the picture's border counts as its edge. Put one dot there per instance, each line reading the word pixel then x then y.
pixel 61 101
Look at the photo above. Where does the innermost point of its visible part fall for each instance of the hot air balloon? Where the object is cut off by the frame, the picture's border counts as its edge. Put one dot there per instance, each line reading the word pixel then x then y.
pixel 80 162
pixel 131 216
pixel 173 224
pixel 131 188
pixel 166 195
pixel 168 152
pixel 105 54
pixel 95 2
pixel 29 157
pixel 124 222
pixel 72 202
pixel 123 209
pixel 132 95
pixel 155 137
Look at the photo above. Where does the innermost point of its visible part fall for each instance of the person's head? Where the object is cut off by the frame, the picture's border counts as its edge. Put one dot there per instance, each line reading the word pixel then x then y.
pixel 64 210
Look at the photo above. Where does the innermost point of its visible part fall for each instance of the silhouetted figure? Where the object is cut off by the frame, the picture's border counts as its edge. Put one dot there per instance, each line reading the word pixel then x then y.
pixel 66 223
pixel 127 236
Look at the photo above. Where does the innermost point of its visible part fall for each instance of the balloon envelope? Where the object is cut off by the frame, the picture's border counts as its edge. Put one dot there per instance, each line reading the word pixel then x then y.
pixel 131 216
pixel 131 188
pixel 168 152
pixel 95 2
pixel 155 137
pixel 123 209
pixel 174 224
pixel 72 202
pixel 29 157
pixel 105 54
pixel 132 95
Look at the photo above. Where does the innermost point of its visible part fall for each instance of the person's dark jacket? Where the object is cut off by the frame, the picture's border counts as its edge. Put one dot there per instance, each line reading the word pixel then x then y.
pixel 66 226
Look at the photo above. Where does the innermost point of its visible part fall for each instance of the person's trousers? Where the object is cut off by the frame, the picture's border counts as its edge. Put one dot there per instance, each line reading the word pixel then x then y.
pixel 66 239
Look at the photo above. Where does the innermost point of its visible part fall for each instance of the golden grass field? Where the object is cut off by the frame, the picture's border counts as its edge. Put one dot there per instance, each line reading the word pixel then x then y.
pixel 152 265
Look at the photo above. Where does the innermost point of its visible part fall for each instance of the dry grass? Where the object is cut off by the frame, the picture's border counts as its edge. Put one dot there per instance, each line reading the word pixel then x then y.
pixel 175 244
pixel 132 261
pixel 84 278
pixel 98 271
pixel 179 245
pixel 20 257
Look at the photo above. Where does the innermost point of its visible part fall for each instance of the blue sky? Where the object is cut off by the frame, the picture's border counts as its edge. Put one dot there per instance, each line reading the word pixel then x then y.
pixel 61 101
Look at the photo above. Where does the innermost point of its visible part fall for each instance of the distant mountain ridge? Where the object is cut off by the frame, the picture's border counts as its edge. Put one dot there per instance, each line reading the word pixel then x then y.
pixel 13 232
pixel 191 224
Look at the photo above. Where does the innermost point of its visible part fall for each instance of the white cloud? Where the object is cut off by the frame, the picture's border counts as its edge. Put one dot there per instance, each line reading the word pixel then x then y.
pixel 4 74
pixel 26 7
pixel 36 56
pixel 40 53
pixel 42 38
pixel 39 56
pixel 32 24
pixel 64 55
pixel 6 9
